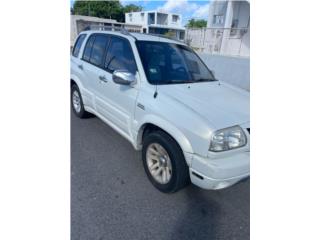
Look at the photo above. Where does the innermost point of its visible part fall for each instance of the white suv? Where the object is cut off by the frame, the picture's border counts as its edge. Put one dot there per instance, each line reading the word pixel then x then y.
pixel 159 95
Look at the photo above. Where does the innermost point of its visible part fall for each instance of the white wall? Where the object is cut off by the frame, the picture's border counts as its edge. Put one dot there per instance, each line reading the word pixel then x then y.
pixel 136 18
pixel 233 70
pixel 238 45
pixel 210 40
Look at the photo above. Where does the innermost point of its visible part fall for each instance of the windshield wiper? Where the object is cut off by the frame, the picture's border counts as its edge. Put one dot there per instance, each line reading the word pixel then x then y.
pixel 203 80
pixel 173 81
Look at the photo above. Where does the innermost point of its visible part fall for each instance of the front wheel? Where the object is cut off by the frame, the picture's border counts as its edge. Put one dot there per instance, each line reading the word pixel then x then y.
pixel 164 162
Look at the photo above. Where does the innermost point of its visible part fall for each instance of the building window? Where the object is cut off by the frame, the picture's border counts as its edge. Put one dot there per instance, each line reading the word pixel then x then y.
pixel 181 35
pixel 142 16
pixel 151 19
pixel 234 31
pixel 235 23
pixel 218 19
pixel 175 18
pixel 130 17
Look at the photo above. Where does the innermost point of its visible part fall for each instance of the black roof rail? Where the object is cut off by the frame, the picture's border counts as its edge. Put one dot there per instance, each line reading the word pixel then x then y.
pixel 126 32
pixel 164 36
pixel 122 30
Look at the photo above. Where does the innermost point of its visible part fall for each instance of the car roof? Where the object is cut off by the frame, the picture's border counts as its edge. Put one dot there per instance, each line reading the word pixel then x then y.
pixel 137 36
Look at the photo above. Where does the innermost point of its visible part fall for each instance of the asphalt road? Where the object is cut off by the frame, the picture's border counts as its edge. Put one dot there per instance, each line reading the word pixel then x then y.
pixel 111 197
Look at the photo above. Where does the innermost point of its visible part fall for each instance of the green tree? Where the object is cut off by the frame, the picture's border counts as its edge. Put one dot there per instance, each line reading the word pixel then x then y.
pixel 132 8
pixel 104 9
pixel 170 34
pixel 200 23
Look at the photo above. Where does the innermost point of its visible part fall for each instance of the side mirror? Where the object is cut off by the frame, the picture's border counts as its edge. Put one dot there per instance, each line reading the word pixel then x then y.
pixel 123 77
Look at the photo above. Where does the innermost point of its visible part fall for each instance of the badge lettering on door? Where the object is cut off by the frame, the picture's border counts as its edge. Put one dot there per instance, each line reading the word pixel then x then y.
pixel 140 106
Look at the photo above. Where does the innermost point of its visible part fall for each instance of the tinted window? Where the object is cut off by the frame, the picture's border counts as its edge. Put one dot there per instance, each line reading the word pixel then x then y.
pixel 120 56
pixel 98 49
pixel 78 45
pixel 88 48
pixel 168 63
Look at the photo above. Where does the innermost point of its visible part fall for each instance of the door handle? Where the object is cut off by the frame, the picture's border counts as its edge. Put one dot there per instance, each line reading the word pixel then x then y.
pixel 80 66
pixel 103 79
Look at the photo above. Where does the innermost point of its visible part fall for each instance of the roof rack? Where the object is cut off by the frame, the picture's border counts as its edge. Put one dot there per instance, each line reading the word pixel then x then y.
pixel 164 36
pixel 122 30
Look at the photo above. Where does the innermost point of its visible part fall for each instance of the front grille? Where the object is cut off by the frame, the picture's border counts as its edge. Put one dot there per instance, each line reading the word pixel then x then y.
pixel 248 129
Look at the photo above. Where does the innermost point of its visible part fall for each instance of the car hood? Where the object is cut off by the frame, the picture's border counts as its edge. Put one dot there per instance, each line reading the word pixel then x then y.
pixel 219 103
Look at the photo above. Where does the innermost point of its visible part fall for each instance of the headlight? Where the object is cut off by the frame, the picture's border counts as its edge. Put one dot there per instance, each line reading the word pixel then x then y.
pixel 228 139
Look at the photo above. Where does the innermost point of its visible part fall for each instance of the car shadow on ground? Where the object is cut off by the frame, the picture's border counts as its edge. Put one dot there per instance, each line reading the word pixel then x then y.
pixel 200 217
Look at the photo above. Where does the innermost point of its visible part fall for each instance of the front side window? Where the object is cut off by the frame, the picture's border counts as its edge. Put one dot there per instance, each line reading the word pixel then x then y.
pixel 78 45
pixel 169 63
pixel 120 56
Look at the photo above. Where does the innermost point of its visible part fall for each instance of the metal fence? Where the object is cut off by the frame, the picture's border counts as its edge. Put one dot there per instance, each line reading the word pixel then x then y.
pixel 81 23
pixel 224 41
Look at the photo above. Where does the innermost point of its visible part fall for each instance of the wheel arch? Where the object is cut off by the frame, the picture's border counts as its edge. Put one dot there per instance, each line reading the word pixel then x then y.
pixel 154 123
pixel 75 80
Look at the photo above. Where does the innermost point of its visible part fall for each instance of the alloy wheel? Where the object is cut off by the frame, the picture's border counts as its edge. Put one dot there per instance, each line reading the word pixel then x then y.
pixel 159 163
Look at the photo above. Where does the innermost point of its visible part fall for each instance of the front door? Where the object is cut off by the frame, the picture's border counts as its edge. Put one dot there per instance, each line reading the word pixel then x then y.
pixel 117 102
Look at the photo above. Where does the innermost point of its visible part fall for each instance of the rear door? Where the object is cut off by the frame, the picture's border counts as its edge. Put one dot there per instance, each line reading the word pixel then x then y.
pixel 76 63
pixel 92 60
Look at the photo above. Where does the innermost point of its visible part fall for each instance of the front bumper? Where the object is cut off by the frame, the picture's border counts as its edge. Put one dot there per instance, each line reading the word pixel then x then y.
pixel 218 173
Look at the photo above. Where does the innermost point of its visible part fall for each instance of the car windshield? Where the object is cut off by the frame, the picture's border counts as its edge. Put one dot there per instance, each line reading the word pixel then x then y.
pixel 169 63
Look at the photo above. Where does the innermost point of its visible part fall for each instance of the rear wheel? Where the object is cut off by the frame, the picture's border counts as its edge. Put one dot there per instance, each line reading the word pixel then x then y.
pixel 164 162
pixel 77 103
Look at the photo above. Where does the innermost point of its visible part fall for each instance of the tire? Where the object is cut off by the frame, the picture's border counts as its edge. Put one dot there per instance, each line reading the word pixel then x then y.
pixel 179 176
pixel 78 108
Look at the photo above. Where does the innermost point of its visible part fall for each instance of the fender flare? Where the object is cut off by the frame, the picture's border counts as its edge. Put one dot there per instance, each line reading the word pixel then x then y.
pixel 167 127
pixel 77 81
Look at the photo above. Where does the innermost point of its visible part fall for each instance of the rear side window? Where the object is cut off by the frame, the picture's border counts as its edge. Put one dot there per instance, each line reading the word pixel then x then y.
pixel 120 56
pixel 98 49
pixel 78 45
pixel 88 48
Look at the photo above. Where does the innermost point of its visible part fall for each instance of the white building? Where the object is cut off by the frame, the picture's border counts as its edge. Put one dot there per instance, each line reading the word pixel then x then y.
pixel 229 14
pixel 234 18
pixel 158 22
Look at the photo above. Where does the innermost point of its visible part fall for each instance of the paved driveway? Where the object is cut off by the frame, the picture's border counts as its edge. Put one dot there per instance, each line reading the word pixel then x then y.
pixel 111 197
